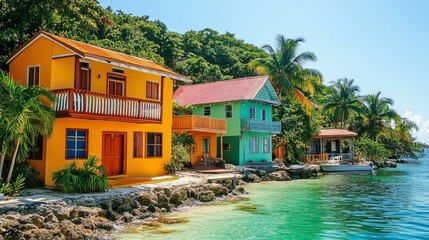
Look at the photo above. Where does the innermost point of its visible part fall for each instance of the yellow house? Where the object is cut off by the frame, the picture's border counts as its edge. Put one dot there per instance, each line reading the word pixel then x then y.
pixel 109 104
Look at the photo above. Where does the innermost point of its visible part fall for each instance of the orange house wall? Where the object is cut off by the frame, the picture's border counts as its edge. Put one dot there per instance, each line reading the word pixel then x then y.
pixel 59 73
pixel 196 156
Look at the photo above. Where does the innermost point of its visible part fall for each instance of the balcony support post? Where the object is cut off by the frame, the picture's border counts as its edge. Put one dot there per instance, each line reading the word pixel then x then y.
pixel 221 147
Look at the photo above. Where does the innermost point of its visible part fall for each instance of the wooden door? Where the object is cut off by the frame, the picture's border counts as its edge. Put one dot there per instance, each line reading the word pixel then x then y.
pixel 114 153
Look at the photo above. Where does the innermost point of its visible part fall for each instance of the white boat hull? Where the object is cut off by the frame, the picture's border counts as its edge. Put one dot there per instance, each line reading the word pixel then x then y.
pixel 345 168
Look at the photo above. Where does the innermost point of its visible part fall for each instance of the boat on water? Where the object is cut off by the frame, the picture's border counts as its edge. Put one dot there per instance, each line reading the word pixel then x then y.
pixel 337 165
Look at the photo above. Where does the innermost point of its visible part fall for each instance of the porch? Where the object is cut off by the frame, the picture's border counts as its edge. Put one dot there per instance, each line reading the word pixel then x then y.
pixel 328 144
pixel 91 105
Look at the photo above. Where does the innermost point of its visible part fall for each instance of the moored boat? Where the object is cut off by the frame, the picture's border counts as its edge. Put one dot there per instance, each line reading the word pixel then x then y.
pixel 346 167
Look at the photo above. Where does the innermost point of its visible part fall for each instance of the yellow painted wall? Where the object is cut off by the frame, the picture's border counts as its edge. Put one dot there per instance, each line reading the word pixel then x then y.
pixel 59 73
pixel 38 53
pixel 62 74
pixel 196 156
pixel 56 145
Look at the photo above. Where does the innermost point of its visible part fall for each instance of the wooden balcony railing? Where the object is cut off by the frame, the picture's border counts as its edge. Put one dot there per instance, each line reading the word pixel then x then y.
pixel 91 105
pixel 253 125
pixel 199 123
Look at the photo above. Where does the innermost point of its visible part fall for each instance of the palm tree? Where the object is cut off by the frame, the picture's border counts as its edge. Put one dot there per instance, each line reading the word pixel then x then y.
pixel 343 100
pixel 27 113
pixel 286 70
pixel 377 115
pixel 404 127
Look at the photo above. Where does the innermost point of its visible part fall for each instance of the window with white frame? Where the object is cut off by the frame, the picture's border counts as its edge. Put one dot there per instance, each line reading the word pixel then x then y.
pixel 252 113
pixel 228 111
pixel 206 145
pixel 77 143
pixel 264 114
pixel 265 145
pixel 253 145
pixel 207 111
pixel 33 76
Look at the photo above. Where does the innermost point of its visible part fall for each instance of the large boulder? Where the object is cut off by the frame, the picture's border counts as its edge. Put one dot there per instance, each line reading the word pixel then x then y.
pixel 218 189
pixel 148 198
pixel 206 196
pixel 74 232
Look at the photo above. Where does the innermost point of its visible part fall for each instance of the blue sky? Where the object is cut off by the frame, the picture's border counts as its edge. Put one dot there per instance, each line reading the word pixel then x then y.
pixel 382 44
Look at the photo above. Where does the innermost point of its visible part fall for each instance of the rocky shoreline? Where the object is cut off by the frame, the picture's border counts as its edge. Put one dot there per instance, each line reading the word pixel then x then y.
pixel 89 216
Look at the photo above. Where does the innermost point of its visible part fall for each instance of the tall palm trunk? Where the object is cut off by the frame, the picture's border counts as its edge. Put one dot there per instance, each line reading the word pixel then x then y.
pixel 2 156
pixel 342 119
pixel 12 164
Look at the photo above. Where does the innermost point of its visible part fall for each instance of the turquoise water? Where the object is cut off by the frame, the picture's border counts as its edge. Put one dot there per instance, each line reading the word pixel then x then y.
pixel 393 204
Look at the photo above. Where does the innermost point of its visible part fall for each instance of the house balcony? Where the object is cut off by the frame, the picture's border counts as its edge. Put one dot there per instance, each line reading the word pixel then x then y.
pixel 91 105
pixel 199 123
pixel 253 125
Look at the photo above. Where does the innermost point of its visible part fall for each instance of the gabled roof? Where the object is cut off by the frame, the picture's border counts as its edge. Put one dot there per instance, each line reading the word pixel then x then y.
pixel 97 53
pixel 335 133
pixel 227 91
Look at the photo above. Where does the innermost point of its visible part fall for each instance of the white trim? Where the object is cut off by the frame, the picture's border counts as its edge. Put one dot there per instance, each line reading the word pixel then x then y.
pixel 28 71
pixel 263 109
pixel 210 109
pixel 140 69
pixel 232 110
pixel 36 38
pixel 64 55
pixel 208 145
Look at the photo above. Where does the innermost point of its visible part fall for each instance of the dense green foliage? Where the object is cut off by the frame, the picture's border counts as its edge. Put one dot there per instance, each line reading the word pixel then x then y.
pixel 372 150
pixel 30 174
pixel 89 178
pixel 179 156
pixel 297 129
pixel 26 113
pixel 204 55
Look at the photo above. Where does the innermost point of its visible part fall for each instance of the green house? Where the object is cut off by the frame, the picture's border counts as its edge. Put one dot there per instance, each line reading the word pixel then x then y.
pixel 246 104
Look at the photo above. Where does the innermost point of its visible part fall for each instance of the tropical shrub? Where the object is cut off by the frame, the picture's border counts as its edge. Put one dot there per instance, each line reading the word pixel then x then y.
pixel 179 156
pixel 13 187
pixel 90 178
pixel 30 174
pixel 372 150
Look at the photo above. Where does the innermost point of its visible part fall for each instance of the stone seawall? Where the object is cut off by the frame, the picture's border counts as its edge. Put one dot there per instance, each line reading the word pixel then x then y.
pixel 86 217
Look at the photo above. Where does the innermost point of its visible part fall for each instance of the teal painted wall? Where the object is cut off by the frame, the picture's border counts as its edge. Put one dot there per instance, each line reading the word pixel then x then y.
pixel 267 94
pixel 255 157
pixel 245 109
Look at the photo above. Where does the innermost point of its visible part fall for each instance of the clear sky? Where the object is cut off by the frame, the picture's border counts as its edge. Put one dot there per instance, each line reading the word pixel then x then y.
pixel 382 44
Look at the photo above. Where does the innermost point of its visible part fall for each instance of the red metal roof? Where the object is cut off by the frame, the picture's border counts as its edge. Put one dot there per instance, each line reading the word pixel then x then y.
pixel 87 50
pixel 335 133
pixel 220 91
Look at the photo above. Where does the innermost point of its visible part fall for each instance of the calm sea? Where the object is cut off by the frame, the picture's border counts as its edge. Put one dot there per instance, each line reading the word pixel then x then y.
pixel 392 204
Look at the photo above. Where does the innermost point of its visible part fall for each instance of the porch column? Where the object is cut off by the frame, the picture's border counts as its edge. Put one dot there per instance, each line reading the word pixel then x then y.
pixel 352 150
pixel 221 147
pixel 321 149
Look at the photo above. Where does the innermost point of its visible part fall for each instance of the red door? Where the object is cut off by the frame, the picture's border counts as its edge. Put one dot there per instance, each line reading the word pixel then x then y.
pixel 114 153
